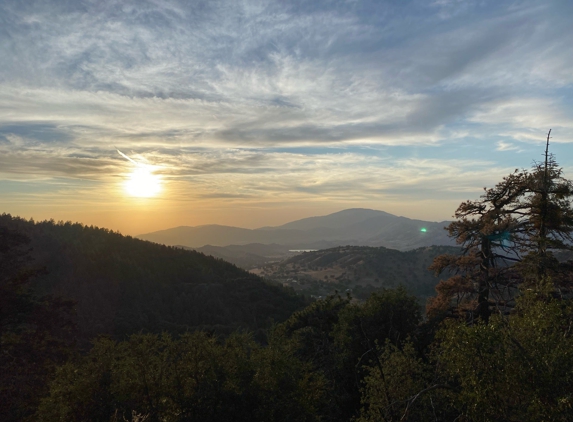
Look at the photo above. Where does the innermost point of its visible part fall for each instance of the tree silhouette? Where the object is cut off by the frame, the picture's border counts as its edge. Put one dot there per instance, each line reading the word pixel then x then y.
pixel 36 333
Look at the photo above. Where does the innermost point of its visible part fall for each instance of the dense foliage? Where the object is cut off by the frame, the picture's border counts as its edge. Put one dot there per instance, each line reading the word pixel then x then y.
pixel 340 338
pixel 516 368
pixel 194 377
pixel 335 361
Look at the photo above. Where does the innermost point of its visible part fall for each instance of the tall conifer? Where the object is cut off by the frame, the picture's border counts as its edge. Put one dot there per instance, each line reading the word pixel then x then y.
pixel 522 220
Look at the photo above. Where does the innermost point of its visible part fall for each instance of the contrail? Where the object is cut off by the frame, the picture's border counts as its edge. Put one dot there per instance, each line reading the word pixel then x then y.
pixel 125 156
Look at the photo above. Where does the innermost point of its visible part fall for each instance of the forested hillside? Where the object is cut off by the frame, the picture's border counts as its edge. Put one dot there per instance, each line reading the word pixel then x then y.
pixel 359 269
pixel 124 285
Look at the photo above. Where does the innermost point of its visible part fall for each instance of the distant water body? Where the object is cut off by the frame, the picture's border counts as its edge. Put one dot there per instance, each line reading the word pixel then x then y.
pixel 303 250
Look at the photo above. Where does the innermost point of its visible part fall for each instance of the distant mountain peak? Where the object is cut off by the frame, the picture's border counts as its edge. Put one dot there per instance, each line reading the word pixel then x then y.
pixel 354 226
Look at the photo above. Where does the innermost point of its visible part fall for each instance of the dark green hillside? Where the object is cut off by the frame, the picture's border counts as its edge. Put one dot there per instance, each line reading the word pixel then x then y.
pixel 124 285
pixel 361 269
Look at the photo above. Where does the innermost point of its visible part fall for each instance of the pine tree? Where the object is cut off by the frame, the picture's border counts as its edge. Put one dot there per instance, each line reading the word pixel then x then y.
pixel 522 220
pixel 548 225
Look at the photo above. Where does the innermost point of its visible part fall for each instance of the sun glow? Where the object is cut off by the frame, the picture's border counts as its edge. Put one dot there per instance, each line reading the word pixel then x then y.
pixel 142 183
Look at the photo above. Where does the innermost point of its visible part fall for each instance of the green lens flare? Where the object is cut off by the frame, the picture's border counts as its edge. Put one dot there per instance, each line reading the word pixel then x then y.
pixel 423 230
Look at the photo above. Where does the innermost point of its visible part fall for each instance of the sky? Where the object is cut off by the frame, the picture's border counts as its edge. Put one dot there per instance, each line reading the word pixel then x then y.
pixel 144 115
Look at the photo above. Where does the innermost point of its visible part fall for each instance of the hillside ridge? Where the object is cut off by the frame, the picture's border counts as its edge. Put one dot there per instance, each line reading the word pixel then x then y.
pixel 123 285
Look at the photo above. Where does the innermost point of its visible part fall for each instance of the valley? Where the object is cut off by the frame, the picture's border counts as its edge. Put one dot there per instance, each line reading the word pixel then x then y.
pixel 357 270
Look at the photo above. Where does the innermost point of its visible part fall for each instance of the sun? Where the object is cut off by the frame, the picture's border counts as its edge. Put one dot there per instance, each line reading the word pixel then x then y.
pixel 142 183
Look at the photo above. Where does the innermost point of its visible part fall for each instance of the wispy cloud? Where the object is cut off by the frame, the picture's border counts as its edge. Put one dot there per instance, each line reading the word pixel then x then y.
pixel 505 146
pixel 219 93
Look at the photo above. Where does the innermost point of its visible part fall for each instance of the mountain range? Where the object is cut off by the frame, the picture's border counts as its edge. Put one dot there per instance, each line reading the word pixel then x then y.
pixel 356 227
